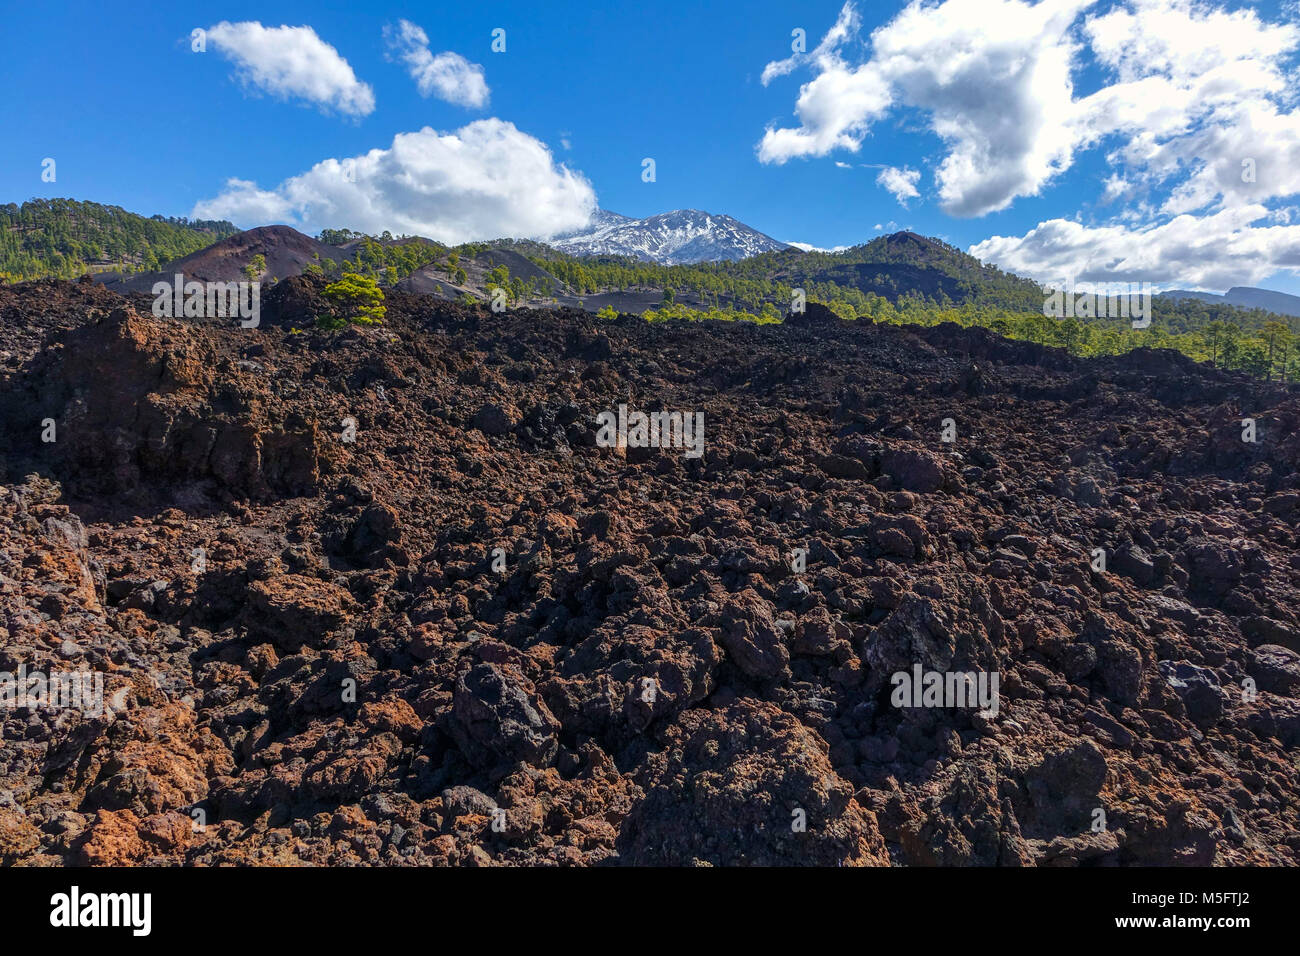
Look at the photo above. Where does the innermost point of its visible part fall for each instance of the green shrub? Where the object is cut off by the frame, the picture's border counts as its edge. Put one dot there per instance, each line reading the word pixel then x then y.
pixel 356 299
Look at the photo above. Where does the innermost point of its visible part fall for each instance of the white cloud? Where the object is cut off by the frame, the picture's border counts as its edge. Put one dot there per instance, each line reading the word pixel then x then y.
pixel 242 202
pixel 1213 251
pixel 484 181
pixel 1189 84
pixel 1116 186
pixel 809 247
pixel 1187 42
pixel 1193 103
pixel 846 27
pixel 1201 106
pixel 448 76
pixel 292 63
pixel 993 75
pixel 1199 91
pixel 836 110
pixel 901 183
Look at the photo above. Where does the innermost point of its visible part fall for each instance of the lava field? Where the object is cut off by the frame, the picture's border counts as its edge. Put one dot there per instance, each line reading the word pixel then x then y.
pixel 380 597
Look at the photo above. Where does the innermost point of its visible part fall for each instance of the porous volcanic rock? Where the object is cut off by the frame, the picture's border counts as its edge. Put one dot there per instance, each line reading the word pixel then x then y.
pixel 376 596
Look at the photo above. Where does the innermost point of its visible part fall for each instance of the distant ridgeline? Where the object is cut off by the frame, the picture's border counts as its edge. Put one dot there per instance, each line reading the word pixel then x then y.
pixel 64 238
pixel 910 279
pixel 899 278
pixel 886 271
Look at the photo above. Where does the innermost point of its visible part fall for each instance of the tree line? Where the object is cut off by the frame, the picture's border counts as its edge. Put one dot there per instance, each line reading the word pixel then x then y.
pixel 65 238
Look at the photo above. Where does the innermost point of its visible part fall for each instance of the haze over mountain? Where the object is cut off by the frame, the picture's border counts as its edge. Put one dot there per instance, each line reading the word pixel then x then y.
pixel 1247 297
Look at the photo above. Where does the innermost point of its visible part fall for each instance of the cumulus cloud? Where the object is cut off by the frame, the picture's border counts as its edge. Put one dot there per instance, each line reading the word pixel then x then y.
pixel 485 180
pixel 448 76
pixel 1199 91
pixel 243 203
pixel 993 75
pixel 995 79
pixel 901 183
pixel 292 63
pixel 1208 140
pixel 1214 251
pixel 836 109
pixel 1193 103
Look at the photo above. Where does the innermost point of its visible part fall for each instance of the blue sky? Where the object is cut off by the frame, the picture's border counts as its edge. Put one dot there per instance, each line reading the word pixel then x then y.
pixel 1098 140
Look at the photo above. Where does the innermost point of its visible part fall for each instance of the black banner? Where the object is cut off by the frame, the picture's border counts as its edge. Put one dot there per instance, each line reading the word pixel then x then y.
pixel 140 906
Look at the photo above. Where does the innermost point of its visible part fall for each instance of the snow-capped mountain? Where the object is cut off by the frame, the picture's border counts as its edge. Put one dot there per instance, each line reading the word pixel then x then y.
pixel 671 238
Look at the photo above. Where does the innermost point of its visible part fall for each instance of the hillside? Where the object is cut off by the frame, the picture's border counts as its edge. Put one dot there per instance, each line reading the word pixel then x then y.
pixel 892 268
pixel 904 264
pixel 478 264
pixel 64 238
pixel 285 251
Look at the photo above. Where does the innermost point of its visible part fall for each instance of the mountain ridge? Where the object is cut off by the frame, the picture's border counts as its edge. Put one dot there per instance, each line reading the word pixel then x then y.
pixel 676 237
pixel 609 265
pixel 1245 297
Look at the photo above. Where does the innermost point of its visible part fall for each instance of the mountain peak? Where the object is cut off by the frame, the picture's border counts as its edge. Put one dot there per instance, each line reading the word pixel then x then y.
pixel 675 237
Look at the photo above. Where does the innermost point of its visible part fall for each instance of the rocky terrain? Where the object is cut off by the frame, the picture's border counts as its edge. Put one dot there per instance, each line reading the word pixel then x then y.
pixel 379 597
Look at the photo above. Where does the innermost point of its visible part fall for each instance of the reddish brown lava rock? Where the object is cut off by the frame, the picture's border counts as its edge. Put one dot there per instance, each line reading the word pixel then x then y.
pixel 309 639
